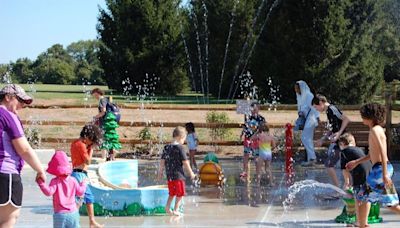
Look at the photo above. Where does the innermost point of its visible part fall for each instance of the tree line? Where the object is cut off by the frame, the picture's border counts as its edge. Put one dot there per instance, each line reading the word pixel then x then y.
pixel 78 63
pixel 232 48
pixel 342 48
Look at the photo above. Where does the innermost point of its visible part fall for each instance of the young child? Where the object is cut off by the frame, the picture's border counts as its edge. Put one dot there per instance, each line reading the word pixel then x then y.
pixel 192 142
pixel 337 124
pixel 63 188
pixel 380 187
pixel 349 152
pixel 249 129
pixel 107 123
pixel 81 154
pixel 174 160
pixel 264 153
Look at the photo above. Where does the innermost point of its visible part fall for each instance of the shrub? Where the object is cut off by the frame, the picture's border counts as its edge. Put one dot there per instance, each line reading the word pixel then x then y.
pixel 280 137
pixel 145 134
pixel 221 118
pixel 33 136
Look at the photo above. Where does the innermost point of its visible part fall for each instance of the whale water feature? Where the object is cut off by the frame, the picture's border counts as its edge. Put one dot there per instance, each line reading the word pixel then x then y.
pixel 304 185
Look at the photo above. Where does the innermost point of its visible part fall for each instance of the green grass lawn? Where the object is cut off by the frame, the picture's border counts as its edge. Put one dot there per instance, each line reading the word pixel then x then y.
pixel 59 88
pixel 80 92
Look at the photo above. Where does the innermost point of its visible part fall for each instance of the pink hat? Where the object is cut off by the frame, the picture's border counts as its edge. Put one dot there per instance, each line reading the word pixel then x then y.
pixel 59 164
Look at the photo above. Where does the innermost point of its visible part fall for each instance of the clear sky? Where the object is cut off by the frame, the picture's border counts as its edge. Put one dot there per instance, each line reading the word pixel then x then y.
pixel 29 27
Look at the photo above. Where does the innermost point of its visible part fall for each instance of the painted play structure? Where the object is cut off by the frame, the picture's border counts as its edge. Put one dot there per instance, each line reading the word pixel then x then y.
pixel 116 192
pixel 348 214
pixel 210 172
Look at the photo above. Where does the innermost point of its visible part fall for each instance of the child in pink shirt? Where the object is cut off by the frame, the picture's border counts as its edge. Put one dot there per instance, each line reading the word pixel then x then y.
pixel 63 188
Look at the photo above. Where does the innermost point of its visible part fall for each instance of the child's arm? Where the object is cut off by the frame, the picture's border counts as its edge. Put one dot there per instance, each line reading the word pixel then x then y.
pixel 103 109
pixel 47 190
pixel 161 170
pixel 80 187
pixel 85 152
pixel 241 133
pixel 90 153
pixel 196 139
pixel 352 164
pixel 345 122
pixel 273 144
pixel 346 177
pixel 186 165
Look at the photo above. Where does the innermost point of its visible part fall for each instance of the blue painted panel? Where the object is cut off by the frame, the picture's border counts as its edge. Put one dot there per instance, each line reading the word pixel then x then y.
pixel 120 172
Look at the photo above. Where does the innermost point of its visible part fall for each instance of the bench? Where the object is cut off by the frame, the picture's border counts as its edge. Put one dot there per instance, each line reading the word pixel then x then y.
pixel 357 129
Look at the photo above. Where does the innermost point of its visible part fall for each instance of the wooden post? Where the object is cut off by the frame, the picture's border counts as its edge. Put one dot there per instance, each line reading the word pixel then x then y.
pixel 388 103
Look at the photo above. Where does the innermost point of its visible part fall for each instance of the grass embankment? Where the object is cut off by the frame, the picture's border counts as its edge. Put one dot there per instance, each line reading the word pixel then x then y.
pixel 80 94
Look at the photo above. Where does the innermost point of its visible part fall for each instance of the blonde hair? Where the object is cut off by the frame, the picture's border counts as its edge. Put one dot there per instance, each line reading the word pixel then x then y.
pixel 179 132
pixel 347 139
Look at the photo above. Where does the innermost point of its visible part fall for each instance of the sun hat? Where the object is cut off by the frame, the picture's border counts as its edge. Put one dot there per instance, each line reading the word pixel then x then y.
pixel 59 164
pixel 17 91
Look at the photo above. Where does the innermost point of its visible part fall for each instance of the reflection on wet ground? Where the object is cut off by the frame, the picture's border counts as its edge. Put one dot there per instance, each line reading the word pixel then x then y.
pixel 239 203
pixel 239 191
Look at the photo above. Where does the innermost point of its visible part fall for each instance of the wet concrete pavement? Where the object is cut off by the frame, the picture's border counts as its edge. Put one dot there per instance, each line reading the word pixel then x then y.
pixel 239 204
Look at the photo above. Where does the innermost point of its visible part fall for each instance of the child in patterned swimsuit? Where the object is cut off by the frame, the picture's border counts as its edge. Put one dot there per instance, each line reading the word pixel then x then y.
pixel 264 152
pixel 379 186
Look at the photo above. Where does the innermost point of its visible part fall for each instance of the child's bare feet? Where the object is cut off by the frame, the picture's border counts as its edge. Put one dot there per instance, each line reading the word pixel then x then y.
pixel 168 211
pixel 177 213
pixel 356 225
pixel 94 224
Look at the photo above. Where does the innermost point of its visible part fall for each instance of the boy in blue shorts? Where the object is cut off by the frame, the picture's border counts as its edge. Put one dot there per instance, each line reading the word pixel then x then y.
pixel 349 152
pixel 81 154
pixel 380 187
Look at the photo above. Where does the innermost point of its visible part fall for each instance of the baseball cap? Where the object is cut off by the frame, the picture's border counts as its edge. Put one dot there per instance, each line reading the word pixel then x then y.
pixel 17 91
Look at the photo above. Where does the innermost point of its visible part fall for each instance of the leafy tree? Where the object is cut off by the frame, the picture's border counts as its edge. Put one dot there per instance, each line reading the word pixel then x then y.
pixel 55 71
pixel 216 34
pixel 334 45
pixel 88 66
pixel 4 69
pixel 142 37
pixel 55 66
pixel 22 70
pixel 341 44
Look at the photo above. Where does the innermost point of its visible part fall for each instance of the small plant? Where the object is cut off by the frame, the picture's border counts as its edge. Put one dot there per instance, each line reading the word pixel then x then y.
pixel 145 134
pixel 33 136
pixel 219 132
pixel 147 150
pixel 280 136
